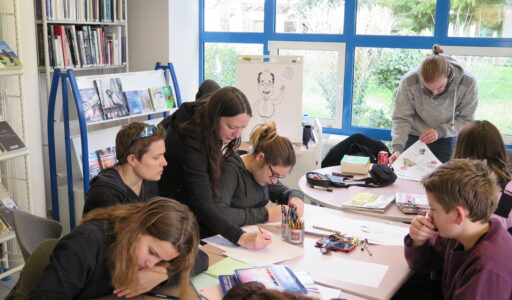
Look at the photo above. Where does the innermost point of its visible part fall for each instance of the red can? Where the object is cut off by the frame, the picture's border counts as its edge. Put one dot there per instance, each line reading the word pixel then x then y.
pixel 383 158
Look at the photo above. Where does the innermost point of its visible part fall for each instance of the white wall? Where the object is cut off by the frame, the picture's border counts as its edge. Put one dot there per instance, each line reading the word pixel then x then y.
pixel 33 112
pixel 166 31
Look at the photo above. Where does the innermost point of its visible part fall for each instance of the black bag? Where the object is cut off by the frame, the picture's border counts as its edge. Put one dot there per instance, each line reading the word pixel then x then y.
pixel 380 176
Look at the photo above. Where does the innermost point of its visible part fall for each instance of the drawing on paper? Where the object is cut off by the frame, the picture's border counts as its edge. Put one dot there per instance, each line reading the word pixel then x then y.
pixel 270 96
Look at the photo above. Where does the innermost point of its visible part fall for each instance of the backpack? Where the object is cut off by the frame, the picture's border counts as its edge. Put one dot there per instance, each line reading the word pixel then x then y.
pixel 380 176
pixel 357 144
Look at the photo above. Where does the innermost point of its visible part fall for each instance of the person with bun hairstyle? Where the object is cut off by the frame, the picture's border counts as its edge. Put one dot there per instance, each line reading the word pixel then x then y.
pixel 250 181
pixel 433 103
pixel 199 136
pixel 125 249
pixel 140 161
pixel 481 140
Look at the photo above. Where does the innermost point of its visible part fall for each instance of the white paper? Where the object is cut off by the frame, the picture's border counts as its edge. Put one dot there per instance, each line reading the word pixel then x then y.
pixel 375 232
pixel 362 273
pixel 276 252
pixel 416 162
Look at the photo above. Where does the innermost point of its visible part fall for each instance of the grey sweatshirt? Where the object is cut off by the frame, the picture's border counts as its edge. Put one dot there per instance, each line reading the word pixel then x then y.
pixel 242 200
pixel 417 111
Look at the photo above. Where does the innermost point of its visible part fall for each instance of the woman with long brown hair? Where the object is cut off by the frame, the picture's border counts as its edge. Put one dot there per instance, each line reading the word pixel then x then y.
pixel 199 136
pixel 117 249
pixel 481 140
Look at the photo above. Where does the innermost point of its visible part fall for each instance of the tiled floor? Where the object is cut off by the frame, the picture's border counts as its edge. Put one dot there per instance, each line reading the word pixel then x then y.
pixel 6 286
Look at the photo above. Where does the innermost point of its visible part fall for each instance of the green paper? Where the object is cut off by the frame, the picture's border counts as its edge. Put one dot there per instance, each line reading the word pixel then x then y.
pixel 226 266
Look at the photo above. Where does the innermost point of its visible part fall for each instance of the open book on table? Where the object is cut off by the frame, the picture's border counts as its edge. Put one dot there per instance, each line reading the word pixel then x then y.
pixel 369 202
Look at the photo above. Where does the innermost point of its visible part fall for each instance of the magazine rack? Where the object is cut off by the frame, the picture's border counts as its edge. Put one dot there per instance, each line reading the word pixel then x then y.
pixel 64 78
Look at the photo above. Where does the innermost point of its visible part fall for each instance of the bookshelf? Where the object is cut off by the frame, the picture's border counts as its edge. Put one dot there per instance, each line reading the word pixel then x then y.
pixel 14 179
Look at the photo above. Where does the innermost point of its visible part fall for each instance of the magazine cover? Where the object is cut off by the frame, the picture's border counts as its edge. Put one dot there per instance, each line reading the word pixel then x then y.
pixel 107 157
pixel 94 164
pixel 157 97
pixel 112 98
pixel 147 106
pixel 134 102
pixel 169 97
pixel 8 58
pixel 91 105
pixel 9 140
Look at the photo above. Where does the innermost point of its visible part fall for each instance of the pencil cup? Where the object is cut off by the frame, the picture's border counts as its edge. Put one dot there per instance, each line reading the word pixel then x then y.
pixel 296 236
pixel 284 231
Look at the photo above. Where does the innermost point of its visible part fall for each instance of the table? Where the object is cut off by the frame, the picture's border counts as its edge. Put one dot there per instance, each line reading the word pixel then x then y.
pixel 335 198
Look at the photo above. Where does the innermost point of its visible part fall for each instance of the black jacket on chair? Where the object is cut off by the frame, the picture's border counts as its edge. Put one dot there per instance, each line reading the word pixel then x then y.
pixel 356 144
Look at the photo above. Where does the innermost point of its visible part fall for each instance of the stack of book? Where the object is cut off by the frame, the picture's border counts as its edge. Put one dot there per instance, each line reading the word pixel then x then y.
pixel 369 202
pixel 412 203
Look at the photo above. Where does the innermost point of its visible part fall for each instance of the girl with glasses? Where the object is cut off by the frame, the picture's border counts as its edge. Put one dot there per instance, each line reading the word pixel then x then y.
pixel 199 135
pixel 116 249
pixel 250 181
pixel 433 103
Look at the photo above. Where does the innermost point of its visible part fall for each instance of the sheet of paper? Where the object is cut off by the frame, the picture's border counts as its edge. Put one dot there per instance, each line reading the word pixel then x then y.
pixel 212 293
pixel 226 266
pixel 331 266
pixel 416 162
pixel 276 252
pixel 375 232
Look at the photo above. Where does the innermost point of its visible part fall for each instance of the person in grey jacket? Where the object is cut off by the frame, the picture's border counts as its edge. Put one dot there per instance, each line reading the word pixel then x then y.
pixel 250 181
pixel 432 104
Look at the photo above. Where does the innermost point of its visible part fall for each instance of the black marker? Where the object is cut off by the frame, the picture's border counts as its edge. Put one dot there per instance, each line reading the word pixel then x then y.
pixel 161 296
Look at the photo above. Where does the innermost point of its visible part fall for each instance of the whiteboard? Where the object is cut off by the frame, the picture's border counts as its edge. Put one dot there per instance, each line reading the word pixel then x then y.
pixel 273 86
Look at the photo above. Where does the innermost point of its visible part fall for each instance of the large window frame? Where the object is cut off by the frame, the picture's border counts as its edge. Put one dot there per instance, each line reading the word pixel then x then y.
pixel 492 46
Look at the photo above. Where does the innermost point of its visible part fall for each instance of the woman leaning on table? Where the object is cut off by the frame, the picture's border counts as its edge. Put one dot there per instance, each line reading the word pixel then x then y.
pixel 199 135
pixel 250 181
pixel 432 104
pixel 121 249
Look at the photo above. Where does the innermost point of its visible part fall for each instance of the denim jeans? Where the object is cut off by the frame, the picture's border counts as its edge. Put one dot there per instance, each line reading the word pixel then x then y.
pixel 442 148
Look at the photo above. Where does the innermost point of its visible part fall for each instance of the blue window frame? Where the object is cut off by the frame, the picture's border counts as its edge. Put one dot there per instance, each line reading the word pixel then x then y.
pixel 351 41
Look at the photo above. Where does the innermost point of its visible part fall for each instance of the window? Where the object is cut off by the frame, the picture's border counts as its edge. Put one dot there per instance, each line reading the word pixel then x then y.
pixel 322 78
pixel 355 52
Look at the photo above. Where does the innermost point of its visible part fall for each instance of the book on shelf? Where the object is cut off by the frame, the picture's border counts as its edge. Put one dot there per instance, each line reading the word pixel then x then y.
pixel 94 164
pixel 107 157
pixel 9 203
pixel 157 97
pixel 91 105
pixel 272 277
pixel 169 97
pixel 145 100
pixel 134 104
pixel 369 202
pixel 412 203
pixel 9 140
pixel 8 59
pixel 82 10
pixel 112 99
pixel 355 164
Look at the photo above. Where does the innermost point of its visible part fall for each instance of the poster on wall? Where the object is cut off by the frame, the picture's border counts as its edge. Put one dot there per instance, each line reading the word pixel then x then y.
pixel 273 86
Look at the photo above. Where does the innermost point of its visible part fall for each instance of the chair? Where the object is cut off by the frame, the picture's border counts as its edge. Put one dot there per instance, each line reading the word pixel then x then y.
pixel 32 230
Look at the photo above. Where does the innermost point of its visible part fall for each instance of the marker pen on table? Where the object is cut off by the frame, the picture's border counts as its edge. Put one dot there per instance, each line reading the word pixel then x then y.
pixel 321 188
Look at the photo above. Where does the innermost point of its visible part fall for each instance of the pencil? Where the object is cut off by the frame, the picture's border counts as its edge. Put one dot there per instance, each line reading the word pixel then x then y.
pixel 261 230
pixel 368 249
pixel 325 229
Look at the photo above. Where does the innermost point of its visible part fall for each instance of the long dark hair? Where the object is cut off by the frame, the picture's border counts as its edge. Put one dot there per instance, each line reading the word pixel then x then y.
pixel 225 102
pixel 482 140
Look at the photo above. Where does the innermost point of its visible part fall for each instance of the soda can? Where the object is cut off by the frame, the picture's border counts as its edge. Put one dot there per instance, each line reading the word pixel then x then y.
pixel 383 158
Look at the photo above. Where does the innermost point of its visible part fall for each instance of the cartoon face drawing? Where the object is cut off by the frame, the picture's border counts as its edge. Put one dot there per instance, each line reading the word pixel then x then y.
pixel 266 82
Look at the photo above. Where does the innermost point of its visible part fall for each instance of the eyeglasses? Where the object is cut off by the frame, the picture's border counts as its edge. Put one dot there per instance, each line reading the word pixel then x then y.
pixel 274 175
pixel 146 132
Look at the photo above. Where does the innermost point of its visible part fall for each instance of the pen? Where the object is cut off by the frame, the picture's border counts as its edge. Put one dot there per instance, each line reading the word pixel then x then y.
pixel 321 188
pixel 161 296
pixel 364 244
pixel 342 175
pixel 368 249
pixel 325 229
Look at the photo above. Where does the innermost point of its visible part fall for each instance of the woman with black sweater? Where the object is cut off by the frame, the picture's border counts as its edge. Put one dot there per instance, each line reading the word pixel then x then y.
pixel 199 135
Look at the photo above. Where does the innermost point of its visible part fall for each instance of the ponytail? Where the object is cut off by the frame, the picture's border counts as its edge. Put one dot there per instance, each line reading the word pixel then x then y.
pixel 278 150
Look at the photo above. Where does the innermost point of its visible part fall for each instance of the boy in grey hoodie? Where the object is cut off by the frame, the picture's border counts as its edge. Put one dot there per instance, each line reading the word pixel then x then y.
pixel 433 103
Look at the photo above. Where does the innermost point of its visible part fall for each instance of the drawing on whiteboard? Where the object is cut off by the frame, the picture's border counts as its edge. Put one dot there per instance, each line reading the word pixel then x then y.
pixel 266 105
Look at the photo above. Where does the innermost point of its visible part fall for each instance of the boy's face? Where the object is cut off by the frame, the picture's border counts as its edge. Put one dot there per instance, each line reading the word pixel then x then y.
pixel 444 222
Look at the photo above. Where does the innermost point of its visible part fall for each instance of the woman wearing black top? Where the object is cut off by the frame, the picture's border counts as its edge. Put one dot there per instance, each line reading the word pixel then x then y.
pixel 140 153
pixel 199 135
pixel 120 249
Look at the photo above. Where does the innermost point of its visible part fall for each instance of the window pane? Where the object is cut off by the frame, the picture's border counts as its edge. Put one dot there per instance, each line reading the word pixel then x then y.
pixel 396 17
pixel 320 81
pixel 494 77
pixel 306 16
pixel 376 77
pixel 220 60
pixel 233 16
pixel 488 18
